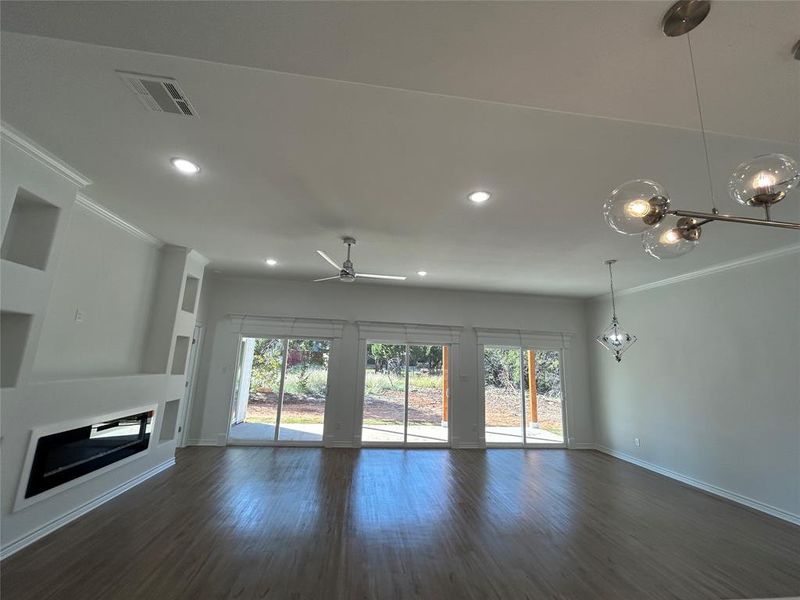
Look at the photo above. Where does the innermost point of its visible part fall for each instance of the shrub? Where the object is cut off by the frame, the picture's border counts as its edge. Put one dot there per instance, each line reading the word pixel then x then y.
pixel 308 382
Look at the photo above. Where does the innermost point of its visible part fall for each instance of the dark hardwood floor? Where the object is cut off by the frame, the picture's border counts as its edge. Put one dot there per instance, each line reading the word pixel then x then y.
pixel 435 524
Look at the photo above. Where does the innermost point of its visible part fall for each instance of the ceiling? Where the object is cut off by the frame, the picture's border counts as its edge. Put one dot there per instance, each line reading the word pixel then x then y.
pixel 318 120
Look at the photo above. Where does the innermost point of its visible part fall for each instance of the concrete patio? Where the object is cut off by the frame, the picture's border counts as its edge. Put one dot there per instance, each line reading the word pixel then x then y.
pixel 417 434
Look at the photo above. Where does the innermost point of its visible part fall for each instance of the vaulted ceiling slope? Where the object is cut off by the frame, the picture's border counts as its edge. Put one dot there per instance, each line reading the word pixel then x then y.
pixel 318 120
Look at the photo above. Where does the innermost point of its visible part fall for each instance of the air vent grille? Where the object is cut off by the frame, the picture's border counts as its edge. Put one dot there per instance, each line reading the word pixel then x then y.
pixel 159 94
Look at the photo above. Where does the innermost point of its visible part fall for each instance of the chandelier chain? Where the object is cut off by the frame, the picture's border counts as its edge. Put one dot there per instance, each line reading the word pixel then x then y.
pixel 613 302
pixel 702 125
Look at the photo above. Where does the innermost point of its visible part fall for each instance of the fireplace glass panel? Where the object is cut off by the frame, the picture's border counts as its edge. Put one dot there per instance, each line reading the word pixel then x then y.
pixel 67 455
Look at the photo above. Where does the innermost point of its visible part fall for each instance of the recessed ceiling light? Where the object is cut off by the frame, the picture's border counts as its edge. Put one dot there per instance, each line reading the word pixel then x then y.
pixel 479 197
pixel 422 273
pixel 271 262
pixel 186 167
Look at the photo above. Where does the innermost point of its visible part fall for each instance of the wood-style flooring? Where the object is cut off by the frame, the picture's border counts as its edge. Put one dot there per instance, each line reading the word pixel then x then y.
pixel 299 523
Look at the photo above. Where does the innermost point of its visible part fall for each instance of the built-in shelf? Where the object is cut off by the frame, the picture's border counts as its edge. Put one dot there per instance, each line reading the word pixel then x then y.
pixel 190 293
pixel 30 230
pixel 180 354
pixel 14 328
pixel 169 421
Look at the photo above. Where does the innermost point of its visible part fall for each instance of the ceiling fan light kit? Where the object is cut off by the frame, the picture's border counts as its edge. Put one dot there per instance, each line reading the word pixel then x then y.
pixel 643 207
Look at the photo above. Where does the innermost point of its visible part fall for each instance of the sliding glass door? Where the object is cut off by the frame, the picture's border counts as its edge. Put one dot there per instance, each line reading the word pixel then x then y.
pixel 281 389
pixel 406 393
pixel 523 402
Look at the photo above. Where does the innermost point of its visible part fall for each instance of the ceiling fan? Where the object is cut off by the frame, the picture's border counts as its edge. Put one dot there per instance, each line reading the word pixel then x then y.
pixel 346 272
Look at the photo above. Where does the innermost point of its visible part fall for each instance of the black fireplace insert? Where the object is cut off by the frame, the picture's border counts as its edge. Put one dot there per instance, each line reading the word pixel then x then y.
pixel 67 455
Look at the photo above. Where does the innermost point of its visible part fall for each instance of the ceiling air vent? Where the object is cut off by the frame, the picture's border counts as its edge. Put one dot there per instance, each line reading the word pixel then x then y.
pixel 159 94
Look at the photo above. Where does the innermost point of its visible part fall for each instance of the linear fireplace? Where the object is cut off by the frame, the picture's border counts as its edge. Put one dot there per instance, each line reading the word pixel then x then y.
pixel 58 457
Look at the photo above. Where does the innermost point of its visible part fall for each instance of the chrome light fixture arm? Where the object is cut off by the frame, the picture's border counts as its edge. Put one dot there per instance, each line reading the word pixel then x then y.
pixel 708 217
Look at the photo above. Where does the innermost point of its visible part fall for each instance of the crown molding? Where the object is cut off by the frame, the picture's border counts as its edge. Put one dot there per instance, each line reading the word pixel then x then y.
pixel 38 153
pixel 719 268
pixel 94 208
pixel 198 258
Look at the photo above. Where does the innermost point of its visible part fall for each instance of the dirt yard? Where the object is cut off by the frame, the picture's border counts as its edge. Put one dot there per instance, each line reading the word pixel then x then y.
pixel 263 408
pixel 425 407
pixel 504 408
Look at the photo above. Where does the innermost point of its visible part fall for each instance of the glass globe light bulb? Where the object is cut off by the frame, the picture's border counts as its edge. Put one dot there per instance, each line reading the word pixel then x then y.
pixel 764 180
pixel 671 238
pixel 638 207
pixel 635 206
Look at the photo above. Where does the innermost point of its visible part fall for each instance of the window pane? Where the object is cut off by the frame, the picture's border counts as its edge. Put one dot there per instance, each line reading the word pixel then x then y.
pixel 545 412
pixel 427 415
pixel 256 399
pixel 503 406
pixel 384 393
pixel 305 390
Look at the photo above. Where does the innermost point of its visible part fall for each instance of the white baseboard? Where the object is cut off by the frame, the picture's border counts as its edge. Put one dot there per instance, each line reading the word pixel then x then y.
pixel 702 485
pixel 340 444
pixel 468 446
pixel 201 443
pixel 582 446
pixel 59 522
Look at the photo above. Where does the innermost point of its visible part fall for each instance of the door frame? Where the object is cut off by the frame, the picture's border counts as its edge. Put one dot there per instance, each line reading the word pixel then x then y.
pixel 190 386
pixel 482 397
pixel 285 339
pixel 361 382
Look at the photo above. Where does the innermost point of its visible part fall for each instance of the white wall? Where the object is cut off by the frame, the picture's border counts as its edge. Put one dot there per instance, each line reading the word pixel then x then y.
pixel 398 304
pixel 711 387
pixel 109 275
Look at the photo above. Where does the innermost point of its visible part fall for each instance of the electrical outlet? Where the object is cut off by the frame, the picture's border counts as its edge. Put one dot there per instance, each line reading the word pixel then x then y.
pixel 79 316
pixel 636 442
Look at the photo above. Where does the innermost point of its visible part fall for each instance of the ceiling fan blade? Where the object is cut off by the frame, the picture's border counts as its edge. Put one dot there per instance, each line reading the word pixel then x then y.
pixel 397 277
pixel 327 278
pixel 329 259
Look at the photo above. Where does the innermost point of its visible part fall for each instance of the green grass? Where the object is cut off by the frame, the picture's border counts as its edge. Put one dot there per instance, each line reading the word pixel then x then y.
pixel 315 382
pixel 376 383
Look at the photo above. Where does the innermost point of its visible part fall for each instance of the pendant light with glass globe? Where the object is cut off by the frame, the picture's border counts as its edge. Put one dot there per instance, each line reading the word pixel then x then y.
pixel 643 207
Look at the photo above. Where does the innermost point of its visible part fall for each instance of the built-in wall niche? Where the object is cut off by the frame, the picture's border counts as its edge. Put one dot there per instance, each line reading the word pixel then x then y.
pixel 14 328
pixel 169 421
pixel 190 293
pixel 180 354
pixel 30 231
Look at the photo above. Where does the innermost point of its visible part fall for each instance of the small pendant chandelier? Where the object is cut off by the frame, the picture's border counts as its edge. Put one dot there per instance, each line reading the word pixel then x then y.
pixel 615 338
